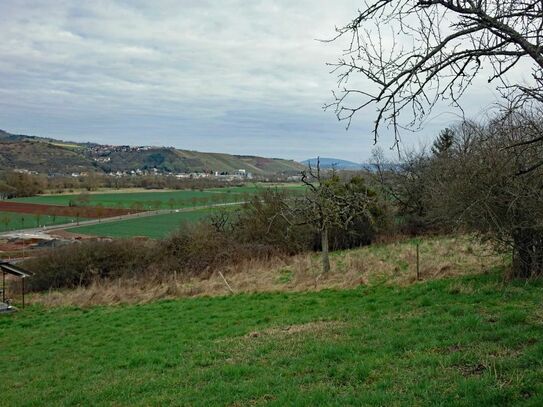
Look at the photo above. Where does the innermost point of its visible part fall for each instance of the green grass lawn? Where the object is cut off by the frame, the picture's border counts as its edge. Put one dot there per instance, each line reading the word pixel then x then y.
pixel 28 221
pixel 167 199
pixel 151 226
pixel 469 341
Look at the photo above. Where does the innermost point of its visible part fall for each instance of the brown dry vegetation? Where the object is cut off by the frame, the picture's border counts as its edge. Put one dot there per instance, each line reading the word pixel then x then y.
pixel 392 263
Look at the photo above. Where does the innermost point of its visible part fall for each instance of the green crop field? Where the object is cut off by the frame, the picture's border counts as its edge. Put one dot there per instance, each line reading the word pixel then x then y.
pixel 155 227
pixel 159 199
pixel 14 221
pixel 471 341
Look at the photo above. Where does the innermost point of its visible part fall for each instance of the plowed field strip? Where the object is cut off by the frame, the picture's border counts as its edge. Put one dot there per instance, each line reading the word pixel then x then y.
pixel 73 211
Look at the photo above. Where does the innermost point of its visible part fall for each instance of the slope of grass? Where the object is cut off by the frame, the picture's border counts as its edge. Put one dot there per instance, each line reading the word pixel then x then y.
pixel 14 221
pixel 431 343
pixel 151 226
pixel 377 264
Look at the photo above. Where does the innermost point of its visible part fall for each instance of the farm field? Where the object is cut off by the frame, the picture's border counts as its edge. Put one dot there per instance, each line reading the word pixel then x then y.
pixel 58 210
pixel 14 221
pixel 461 341
pixel 158 199
pixel 112 204
pixel 156 226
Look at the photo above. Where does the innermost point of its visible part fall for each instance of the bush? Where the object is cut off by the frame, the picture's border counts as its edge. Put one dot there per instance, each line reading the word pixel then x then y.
pixel 79 264
pixel 267 219
pixel 199 249
pixel 276 218
pixel 267 226
pixel 364 226
pixel 489 182
pixel 17 184
pixel 195 250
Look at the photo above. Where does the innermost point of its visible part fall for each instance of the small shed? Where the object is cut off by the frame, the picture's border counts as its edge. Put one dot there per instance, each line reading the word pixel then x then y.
pixel 11 269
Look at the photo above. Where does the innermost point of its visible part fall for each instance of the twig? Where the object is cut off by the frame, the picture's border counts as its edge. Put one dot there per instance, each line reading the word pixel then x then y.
pixel 226 282
pixel 317 280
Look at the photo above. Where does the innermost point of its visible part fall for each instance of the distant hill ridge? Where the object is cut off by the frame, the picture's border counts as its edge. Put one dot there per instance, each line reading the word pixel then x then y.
pixel 326 162
pixel 47 155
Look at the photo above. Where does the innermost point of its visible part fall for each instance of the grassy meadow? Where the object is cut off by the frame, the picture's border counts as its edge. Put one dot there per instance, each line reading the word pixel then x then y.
pixel 469 340
pixel 15 221
pixel 155 226
pixel 169 199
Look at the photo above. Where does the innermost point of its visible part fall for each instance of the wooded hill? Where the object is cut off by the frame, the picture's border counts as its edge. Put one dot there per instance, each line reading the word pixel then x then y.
pixel 46 155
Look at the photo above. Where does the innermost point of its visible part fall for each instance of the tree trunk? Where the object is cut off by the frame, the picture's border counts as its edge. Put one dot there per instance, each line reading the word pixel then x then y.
pixel 527 254
pixel 325 250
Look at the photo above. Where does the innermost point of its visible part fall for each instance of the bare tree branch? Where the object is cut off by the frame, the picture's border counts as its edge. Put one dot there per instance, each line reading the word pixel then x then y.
pixel 435 50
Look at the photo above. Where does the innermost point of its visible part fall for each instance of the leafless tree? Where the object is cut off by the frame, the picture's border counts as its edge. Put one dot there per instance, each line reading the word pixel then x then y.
pixel 491 183
pixel 435 50
pixel 404 183
pixel 171 204
pixel 331 203
pixel 100 211
pixel 220 220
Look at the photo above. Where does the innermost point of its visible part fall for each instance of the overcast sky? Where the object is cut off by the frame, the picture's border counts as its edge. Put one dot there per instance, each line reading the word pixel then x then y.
pixel 243 77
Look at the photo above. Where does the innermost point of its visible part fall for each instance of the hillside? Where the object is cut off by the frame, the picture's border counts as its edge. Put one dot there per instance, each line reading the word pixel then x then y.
pixel 334 163
pixel 173 160
pixel 42 157
pixel 367 333
pixel 462 341
pixel 47 155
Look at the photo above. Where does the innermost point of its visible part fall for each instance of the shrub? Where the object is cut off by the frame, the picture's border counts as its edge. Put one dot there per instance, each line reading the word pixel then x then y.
pixel 267 226
pixel 195 250
pixel 79 264
pixel 200 249
pixel 267 219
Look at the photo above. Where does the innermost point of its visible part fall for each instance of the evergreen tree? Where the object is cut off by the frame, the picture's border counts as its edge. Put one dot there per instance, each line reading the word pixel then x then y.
pixel 443 142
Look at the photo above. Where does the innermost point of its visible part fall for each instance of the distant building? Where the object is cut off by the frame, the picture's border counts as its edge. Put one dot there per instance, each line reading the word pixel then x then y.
pixel 294 178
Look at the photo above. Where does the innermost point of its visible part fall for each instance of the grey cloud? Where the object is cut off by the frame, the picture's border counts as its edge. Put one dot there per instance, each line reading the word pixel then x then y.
pixel 232 75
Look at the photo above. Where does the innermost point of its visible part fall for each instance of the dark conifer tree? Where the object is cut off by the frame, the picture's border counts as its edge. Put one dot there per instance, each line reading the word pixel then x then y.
pixel 443 142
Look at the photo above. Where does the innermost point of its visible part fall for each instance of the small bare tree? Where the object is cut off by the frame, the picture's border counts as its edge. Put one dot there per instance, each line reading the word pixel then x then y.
pixel 435 50
pixel 137 206
pixel 156 205
pixel 171 204
pixel 220 220
pixel 100 210
pixel 331 203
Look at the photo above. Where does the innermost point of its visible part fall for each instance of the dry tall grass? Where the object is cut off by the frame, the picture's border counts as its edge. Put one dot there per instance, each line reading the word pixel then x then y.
pixel 393 263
